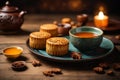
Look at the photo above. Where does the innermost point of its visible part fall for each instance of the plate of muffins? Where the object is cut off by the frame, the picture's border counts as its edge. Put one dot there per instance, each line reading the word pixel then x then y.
pixel 48 45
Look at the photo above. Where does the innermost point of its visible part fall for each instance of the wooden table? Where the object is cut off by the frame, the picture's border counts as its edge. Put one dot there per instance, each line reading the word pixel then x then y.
pixel 76 71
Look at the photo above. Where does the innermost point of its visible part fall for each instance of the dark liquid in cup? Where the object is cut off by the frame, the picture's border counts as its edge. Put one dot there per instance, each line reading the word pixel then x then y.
pixel 86 34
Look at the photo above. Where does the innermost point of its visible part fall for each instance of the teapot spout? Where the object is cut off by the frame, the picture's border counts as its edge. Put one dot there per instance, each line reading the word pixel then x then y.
pixel 21 14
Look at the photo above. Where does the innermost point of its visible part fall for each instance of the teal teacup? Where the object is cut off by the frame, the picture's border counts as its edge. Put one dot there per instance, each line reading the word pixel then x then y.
pixel 86 38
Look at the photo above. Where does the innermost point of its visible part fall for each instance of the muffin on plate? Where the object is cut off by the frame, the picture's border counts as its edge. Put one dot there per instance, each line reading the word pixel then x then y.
pixel 37 40
pixel 50 28
pixel 57 46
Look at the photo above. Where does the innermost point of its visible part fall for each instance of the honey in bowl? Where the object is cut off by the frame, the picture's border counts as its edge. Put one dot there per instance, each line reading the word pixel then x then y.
pixel 12 52
pixel 86 34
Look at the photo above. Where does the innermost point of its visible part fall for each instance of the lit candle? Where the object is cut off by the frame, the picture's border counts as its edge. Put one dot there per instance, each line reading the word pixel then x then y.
pixel 101 20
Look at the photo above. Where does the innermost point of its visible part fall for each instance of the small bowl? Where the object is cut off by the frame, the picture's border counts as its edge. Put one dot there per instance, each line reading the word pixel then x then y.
pixel 85 44
pixel 12 52
pixel 63 29
pixel 82 18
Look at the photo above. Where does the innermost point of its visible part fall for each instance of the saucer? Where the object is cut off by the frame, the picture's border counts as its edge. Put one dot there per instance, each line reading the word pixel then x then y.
pixel 104 49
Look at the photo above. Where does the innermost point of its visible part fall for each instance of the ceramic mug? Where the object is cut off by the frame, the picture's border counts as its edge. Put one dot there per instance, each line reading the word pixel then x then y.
pixel 86 43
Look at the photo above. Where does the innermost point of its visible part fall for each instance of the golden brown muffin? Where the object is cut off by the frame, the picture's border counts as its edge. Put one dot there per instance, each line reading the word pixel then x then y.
pixel 66 20
pixel 37 40
pixel 57 46
pixel 50 28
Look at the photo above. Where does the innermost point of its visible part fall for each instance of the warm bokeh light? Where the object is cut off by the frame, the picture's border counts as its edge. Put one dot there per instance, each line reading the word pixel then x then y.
pixel 102 8
pixel 101 15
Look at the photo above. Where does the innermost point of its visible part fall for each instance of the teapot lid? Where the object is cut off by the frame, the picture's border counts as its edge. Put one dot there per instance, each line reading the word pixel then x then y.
pixel 8 8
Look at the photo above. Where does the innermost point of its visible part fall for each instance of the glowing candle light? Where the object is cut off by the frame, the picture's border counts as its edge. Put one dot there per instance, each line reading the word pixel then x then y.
pixel 101 20
pixel 101 15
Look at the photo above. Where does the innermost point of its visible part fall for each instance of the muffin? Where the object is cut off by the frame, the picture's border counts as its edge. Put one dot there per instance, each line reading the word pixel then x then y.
pixel 37 40
pixel 66 20
pixel 57 46
pixel 50 28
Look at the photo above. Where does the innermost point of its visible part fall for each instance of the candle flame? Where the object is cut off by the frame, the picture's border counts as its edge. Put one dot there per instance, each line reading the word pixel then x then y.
pixel 101 15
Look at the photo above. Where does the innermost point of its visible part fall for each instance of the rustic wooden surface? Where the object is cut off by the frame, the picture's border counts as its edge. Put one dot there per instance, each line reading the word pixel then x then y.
pixel 71 71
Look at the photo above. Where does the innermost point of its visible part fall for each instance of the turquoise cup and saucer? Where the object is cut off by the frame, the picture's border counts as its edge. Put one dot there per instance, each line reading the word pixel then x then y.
pixel 90 48
pixel 86 38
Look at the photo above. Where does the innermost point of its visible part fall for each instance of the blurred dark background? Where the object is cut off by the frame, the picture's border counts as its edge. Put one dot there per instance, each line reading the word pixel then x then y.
pixel 66 6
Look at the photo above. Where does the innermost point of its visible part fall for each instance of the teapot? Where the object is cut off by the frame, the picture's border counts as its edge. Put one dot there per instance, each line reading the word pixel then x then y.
pixel 11 18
